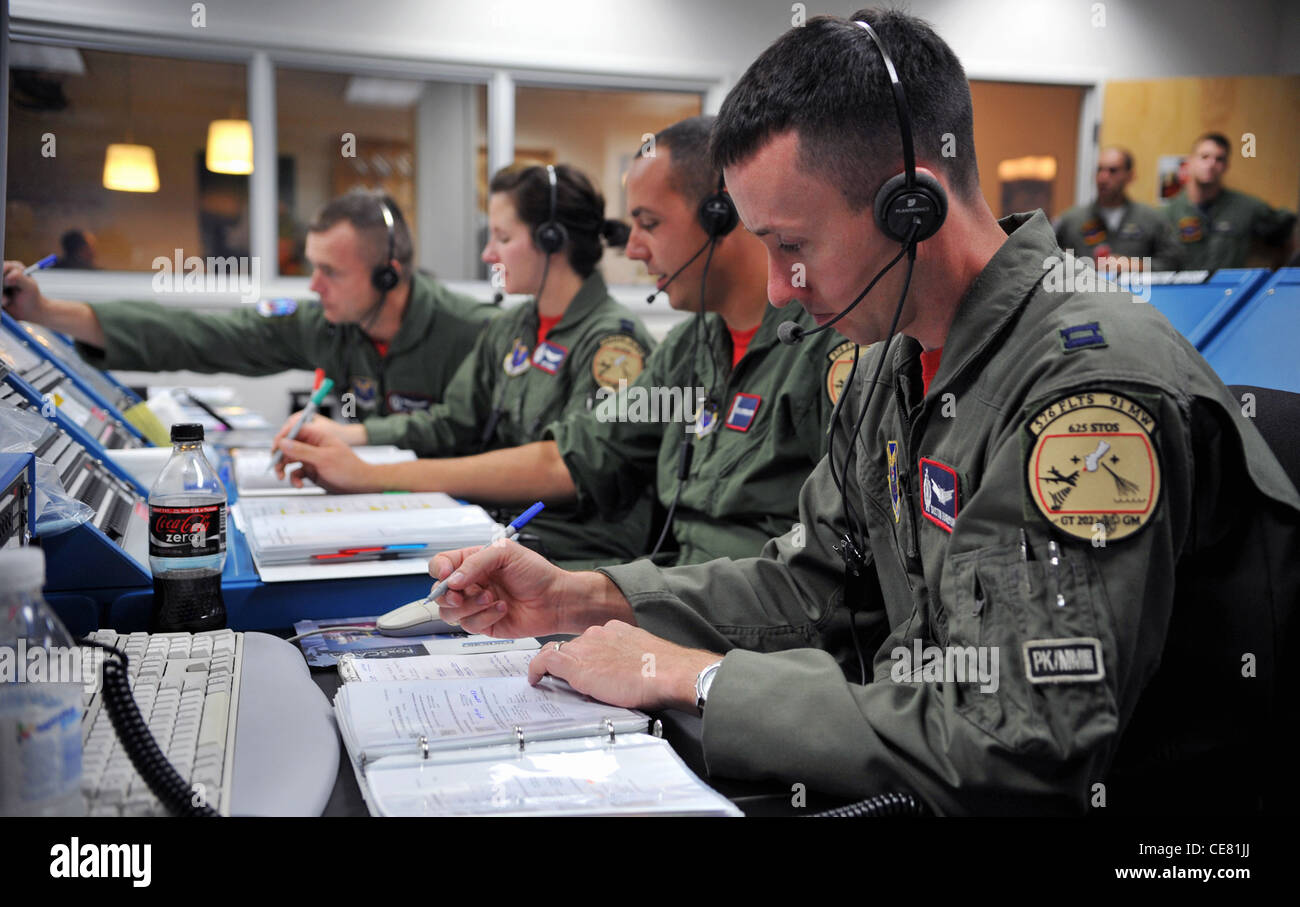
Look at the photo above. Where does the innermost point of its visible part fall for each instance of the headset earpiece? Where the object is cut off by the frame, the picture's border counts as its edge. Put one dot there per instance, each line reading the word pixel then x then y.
pixel 900 207
pixel 384 277
pixel 550 237
pixel 717 214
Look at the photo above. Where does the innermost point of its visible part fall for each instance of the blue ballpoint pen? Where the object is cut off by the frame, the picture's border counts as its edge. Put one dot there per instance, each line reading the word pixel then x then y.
pixel 422 616
pixel 519 522
pixel 46 262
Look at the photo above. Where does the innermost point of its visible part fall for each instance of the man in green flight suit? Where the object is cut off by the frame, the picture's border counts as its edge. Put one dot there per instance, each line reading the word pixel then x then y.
pixel 390 338
pixel 1217 225
pixel 759 435
pixel 541 361
pixel 1079 557
pixel 1114 230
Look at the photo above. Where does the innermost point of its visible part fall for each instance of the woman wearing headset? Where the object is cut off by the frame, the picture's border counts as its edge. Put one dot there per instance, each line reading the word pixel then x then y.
pixel 534 364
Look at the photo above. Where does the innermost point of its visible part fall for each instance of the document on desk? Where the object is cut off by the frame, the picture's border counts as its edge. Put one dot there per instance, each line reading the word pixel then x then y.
pixel 499 746
pixel 350 529
pixel 253 478
pixel 441 665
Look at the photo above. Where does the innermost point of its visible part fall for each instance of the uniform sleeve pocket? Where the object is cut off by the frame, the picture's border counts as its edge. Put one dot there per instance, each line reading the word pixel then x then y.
pixel 1038 622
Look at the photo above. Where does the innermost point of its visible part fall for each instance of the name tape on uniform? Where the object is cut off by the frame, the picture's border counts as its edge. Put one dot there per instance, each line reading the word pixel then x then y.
pixel 1063 660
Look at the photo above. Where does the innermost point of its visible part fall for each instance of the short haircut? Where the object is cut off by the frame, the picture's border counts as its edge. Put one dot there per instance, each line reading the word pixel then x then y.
pixel 691 172
pixel 828 83
pixel 361 208
pixel 1217 138
pixel 579 206
pixel 1124 153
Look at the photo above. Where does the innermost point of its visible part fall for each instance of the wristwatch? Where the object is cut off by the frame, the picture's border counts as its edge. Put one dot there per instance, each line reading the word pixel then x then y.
pixel 703 681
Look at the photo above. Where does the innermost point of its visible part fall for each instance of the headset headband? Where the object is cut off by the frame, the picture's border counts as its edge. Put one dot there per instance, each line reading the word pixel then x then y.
pixel 900 105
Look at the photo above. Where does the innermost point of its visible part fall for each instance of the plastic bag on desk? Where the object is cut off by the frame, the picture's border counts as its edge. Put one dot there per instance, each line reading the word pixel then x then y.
pixel 56 510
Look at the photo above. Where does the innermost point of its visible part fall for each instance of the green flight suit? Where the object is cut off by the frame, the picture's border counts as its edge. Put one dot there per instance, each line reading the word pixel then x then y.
pixel 1219 235
pixel 1119 661
pixel 765 433
pixel 438 329
pixel 1143 232
pixel 515 387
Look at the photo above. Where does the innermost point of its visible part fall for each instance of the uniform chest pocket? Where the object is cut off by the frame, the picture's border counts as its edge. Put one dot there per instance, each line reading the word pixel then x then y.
pixel 1042 621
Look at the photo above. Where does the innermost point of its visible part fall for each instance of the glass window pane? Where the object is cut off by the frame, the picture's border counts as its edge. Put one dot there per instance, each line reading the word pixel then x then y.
pixel 68 106
pixel 598 132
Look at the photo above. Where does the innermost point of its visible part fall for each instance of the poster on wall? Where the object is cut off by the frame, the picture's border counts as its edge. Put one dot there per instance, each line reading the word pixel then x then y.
pixel 1169 176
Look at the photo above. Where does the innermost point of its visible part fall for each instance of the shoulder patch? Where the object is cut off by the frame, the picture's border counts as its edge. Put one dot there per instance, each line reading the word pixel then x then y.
pixel 276 308
pixel 1092 469
pixel 839 362
pixel 620 357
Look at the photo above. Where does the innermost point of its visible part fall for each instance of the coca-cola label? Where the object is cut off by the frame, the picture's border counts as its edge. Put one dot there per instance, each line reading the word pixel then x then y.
pixel 187 531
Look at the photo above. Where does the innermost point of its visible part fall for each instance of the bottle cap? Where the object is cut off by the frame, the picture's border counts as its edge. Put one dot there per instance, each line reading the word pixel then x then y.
pixel 23 568
pixel 187 431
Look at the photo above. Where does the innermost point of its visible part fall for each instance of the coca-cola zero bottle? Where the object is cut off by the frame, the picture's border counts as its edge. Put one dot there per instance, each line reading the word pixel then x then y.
pixel 187 538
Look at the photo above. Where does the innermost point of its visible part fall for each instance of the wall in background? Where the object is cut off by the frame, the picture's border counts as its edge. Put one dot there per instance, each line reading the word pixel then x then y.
pixel 1140 38
pixel 1163 117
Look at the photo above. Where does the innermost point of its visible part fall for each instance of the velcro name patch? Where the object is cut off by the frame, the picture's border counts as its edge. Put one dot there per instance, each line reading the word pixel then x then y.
pixel 1063 660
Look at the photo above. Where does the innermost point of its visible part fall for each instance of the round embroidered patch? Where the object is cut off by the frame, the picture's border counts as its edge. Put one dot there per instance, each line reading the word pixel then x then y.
pixel 618 358
pixel 1093 470
pixel 839 364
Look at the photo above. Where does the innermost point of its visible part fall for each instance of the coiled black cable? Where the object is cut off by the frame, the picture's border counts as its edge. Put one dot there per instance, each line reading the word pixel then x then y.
pixel 891 805
pixel 174 792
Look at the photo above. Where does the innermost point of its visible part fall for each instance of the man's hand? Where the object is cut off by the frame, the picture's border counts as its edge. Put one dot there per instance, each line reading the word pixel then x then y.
pixel 505 589
pixel 22 297
pixel 327 461
pixel 625 666
pixel 348 434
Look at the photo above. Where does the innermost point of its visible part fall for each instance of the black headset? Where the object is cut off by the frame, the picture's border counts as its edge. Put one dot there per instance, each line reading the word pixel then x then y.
pixel 551 236
pixel 910 206
pixel 718 216
pixel 384 277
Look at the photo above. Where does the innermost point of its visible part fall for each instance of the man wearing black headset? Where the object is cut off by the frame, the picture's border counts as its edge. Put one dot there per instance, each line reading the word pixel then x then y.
pixel 1077 559
pixel 389 337
pixel 758 435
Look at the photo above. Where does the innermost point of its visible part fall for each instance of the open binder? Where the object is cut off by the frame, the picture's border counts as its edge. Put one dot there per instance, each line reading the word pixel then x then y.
pixel 498 746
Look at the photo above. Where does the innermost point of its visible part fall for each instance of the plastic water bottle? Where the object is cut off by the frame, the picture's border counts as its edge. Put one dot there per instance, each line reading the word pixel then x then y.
pixel 187 538
pixel 40 696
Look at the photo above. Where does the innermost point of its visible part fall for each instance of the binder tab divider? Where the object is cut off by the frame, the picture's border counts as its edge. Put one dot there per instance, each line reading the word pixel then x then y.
pixel 519 735
pixel 609 729
pixel 424 747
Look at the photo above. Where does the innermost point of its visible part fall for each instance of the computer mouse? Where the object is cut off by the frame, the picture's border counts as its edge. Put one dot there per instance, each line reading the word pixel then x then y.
pixel 417 618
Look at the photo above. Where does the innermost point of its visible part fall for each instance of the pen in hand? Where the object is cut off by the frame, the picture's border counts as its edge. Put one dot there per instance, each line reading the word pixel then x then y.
pixel 312 405
pixel 440 588
pixel 31 269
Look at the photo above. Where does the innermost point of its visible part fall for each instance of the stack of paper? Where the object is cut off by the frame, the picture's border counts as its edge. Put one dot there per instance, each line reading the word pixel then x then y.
pixel 253 476
pixel 350 528
pixel 494 745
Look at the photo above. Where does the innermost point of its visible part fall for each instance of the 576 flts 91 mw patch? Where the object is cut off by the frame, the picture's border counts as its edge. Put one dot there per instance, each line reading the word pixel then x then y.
pixel 1092 463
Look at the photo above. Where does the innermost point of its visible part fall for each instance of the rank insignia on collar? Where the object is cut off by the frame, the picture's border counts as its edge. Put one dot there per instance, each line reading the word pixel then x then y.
pixel 1092 469
pixel 1189 228
pixel 891 455
pixel 517 361
pixel 743 411
pixel 939 493
pixel 549 356
pixel 839 364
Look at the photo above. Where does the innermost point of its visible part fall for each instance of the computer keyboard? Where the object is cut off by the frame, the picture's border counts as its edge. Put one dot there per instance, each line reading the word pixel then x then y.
pixel 237 713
